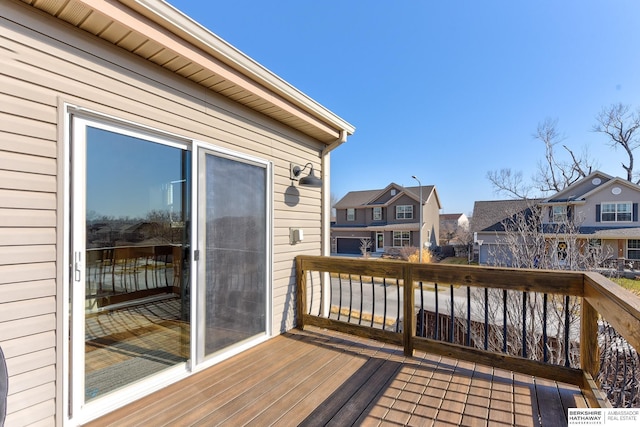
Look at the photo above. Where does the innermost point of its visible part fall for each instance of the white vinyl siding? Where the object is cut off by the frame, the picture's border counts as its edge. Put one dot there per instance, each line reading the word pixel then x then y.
pixel 46 63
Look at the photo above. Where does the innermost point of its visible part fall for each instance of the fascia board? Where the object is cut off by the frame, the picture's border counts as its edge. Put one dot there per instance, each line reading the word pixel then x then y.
pixel 200 36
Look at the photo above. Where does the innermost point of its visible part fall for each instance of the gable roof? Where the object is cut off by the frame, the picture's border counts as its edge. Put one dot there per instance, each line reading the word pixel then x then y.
pixel 451 216
pixel 357 199
pixel 161 34
pixel 490 215
pixel 572 192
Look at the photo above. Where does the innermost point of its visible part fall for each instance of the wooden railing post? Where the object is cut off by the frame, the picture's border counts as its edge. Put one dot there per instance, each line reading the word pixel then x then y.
pixel 589 348
pixel 301 294
pixel 408 326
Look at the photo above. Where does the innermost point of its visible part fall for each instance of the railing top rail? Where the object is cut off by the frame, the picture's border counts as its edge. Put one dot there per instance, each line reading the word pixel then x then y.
pixel 619 307
pixel 530 280
pixel 364 267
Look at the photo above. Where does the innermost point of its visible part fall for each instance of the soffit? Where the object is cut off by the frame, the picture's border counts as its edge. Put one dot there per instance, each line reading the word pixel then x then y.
pixel 159 33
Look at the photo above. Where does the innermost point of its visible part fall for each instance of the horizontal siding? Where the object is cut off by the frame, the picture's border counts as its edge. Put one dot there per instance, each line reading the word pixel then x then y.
pixel 32 361
pixel 31 397
pixel 27 254
pixel 12 143
pixel 12 180
pixel 27 200
pixel 30 326
pixel 27 236
pixel 26 308
pixel 54 63
pixel 41 414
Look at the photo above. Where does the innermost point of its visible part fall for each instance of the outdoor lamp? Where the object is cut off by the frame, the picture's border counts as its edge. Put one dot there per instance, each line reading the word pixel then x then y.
pixel 307 181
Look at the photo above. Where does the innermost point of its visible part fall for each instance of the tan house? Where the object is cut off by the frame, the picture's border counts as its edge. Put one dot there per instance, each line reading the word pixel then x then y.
pixel 389 218
pixel 153 182
pixel 598 213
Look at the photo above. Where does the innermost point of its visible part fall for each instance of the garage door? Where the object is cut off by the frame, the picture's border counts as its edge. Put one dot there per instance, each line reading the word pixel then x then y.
pixel 348 245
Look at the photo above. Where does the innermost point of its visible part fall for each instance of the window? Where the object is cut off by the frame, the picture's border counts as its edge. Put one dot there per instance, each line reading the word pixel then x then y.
pixel 633 248
pixel 616 212
pixel 401 238
pixel 404 212
pixel 351 214
pixel 595 248
pixel 559 214
pixel 377 213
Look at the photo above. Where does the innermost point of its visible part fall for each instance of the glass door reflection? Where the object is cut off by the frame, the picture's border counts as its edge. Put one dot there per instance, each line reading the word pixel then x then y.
pixel 137 259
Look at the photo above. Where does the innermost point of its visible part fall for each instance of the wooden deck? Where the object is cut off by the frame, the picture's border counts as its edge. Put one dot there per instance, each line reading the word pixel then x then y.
pixel 318 377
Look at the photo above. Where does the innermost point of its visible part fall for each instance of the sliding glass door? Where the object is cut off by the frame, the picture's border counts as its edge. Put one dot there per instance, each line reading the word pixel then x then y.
pixel 129 294
pixel 136 285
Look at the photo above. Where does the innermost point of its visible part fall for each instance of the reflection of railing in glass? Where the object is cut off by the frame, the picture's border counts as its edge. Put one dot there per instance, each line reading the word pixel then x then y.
pixel 122 275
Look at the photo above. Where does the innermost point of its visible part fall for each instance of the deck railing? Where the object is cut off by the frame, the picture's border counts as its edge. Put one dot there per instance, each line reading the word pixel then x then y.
pixel 538 322
pixel 118 276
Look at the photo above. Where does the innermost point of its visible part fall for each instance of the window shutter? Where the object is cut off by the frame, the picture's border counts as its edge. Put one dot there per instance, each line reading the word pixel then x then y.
pixel 635 212
pixel 597 213
pixel 569 209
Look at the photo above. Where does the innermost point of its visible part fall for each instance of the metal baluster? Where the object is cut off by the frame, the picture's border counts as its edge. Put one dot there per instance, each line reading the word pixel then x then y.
pixel 545 351
pixel 504 320
pixel 486 318
pixel 398 312
pixel 567 331
pixel 468 316
pixel 340 300
pixel 330 294
pixel 361 300
pixel 452 316
pixel 350 298
pixel 423 331
pixel 310 293
pixel 384 310
pixel 373 300
pixel 436 335
pixel 524 324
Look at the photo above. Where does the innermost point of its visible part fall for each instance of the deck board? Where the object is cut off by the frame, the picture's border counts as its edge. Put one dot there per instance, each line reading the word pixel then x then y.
pixel 317 377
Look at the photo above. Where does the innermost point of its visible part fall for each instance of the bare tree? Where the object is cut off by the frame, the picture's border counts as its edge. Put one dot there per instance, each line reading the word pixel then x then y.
pixel 621 125
pixel 509 182
pixel 554 173
pixel 534 238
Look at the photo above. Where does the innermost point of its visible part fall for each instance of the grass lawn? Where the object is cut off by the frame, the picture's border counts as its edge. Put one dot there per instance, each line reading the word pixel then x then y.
pixel 455 260
pixel 630 284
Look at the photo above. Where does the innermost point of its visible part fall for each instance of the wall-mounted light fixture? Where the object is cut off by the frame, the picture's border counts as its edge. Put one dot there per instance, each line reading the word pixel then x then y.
pixel 307 181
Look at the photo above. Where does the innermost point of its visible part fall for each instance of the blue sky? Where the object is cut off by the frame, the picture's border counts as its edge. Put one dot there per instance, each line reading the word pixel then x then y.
pixel 445 90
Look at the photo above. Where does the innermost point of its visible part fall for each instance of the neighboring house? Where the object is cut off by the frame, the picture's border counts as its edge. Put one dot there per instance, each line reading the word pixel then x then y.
pixel 602 209
pixel 146 184
pixel 389 218
pixel 451 226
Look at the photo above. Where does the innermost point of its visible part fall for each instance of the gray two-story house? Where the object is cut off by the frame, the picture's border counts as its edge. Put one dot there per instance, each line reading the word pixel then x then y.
pixel 600 211
pixel 388 218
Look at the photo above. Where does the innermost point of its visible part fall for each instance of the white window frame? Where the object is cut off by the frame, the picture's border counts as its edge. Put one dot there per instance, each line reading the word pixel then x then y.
pixel 633 249
pixel 351 214
pixel 404 212
pixel 616 211
pixel 404 236
pixel 559 214
pixel 377 213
